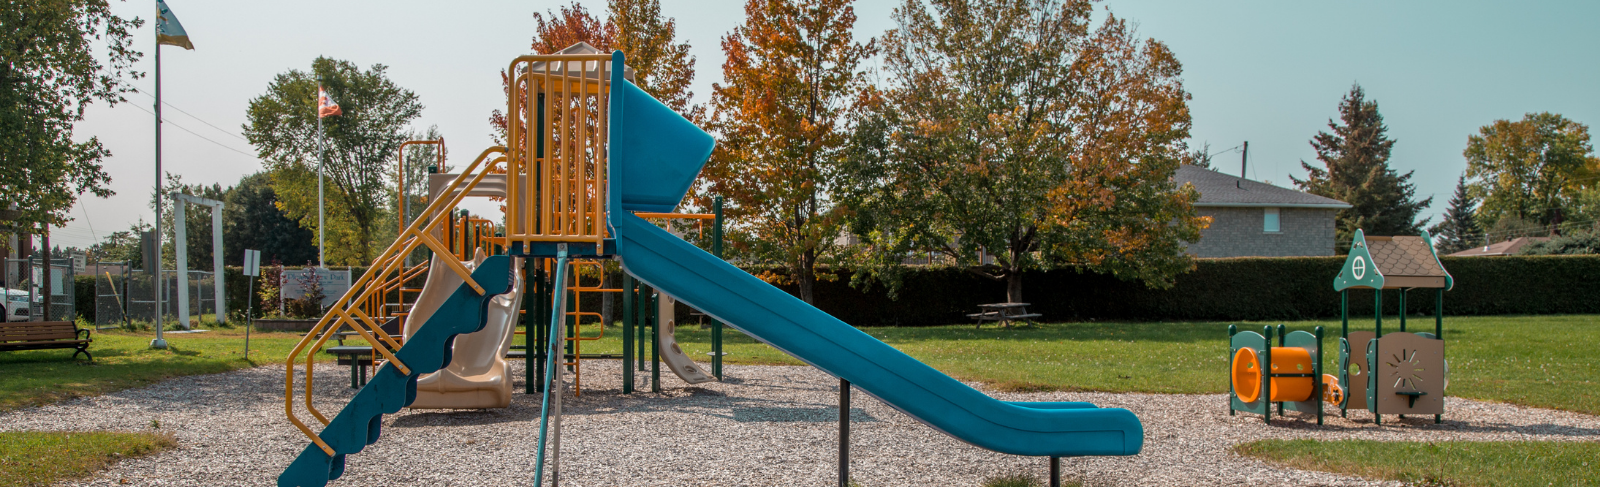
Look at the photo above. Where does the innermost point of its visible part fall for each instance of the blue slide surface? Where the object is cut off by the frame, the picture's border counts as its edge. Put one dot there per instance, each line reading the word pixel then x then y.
pixel 773 316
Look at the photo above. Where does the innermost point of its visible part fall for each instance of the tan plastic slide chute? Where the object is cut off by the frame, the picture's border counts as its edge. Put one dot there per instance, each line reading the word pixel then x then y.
pixel 676 360
pixel 478 375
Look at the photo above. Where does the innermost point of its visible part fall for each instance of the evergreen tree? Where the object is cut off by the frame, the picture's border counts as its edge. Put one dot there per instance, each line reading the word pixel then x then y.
pixel 1459 230
pixel 1356 160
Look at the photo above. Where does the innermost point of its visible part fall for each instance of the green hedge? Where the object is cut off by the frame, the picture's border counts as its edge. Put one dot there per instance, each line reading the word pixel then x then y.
pixel 1224 289
pixel 1218 289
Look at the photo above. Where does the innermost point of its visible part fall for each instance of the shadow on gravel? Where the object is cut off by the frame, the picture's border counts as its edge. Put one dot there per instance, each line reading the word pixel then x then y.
pixel 798 415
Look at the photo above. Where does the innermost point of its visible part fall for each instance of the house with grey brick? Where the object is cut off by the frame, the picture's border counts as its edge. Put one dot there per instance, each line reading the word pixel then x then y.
pixel 1255 219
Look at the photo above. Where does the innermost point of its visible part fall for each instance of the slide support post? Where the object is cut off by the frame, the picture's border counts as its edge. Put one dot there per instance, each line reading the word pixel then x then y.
pixel 1055 471
pixel 655 344
pixel 716 325
pixel 844 433
pixel 629 292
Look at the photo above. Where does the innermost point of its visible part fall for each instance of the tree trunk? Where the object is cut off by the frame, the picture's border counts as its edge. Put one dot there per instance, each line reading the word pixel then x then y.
pixel 1013 286
pixel 805 277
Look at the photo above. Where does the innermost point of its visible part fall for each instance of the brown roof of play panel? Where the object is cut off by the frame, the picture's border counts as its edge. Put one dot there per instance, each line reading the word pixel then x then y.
pixel 1403 256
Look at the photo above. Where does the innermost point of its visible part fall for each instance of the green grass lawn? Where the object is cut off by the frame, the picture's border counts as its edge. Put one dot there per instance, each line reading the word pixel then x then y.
pixel 123 360
pixel 1454 463
pixel 40 458
pixel 1530 360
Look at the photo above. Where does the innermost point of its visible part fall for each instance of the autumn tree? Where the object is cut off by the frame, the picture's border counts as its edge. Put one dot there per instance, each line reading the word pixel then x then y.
pixel 1013 130
pixel 1459 230
pixel 360 145
pixel 1533 169
pixel 50 72
pixel 662 66
pixel 1355 159
pixel 792 76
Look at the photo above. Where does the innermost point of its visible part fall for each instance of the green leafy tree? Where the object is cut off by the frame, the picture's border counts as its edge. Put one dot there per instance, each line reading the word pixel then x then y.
pixel 1459 230
pixel 1533 169
pixel 49 73
pixel 1012 130
pixel 1355 159
pixel 252 220
pixel 121 246
pixel 792 76
pixel 1582 242
pixel 360 143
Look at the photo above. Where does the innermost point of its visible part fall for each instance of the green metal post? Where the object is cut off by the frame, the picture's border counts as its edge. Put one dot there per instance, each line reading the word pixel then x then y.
pixel 530 311
pixel 1438 332
pixel 1232 330
pixel 1316 374
pixel 716 325
pixel 628 291
pixel 1377 305
pixel 1403 310
pixel 1281 333
pixel 539 334
pixel 655 349
pixel 644 324
pixel 1344 314
pixel 1266 372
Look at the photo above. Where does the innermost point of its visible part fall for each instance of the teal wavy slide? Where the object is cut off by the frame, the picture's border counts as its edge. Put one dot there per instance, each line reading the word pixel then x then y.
pixel 773 316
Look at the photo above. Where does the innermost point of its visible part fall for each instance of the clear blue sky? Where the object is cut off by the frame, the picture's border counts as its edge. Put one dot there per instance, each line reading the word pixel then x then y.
pixel 1268 72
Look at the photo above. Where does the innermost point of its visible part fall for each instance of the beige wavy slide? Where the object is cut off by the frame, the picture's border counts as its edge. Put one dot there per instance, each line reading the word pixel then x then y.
pixel 674 357
pixel 477 376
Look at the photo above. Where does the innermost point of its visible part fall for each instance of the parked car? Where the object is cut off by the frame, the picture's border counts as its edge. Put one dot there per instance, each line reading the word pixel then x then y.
pixel 16 306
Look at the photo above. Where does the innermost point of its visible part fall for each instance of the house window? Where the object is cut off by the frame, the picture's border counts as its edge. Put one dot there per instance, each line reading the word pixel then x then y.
pixel 1269 220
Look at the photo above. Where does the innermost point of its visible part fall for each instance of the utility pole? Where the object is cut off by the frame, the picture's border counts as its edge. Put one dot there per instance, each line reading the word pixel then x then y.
pixel 1244 160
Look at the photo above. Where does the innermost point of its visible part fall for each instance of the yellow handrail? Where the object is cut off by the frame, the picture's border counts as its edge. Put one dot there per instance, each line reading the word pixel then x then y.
pixel 432 218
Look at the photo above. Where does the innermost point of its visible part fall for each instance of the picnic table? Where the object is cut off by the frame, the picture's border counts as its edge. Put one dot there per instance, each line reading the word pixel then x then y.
pixel 1003 313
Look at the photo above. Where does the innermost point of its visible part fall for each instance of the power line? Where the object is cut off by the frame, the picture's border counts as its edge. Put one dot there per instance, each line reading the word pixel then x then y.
pixel 191 132
pixel 191 115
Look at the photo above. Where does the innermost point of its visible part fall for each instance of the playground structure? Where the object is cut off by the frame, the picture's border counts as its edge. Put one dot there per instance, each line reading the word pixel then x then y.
pixel 589 157
pixel 1401 372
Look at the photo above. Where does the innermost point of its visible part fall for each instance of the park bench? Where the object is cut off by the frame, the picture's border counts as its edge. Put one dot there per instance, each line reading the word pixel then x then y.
pixel 1003 313
pixel 37 335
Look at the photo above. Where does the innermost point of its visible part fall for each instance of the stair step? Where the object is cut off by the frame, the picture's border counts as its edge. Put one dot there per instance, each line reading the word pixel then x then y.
pixel 360 423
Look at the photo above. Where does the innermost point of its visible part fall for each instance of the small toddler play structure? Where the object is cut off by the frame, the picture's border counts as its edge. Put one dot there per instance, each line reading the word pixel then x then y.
pixel 1401 372
pixel 590 156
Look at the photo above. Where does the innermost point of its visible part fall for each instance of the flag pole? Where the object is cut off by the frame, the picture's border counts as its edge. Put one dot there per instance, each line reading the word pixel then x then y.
pixel 160 342
pixel 321 155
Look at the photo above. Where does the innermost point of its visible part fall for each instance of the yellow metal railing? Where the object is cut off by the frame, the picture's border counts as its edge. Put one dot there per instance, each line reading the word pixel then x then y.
pixel 577 289
pixel 556 130
pixel 347 311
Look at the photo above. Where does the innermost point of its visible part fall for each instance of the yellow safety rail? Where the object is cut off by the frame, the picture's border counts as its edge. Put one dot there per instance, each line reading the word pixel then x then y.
pixel 556 131
pixel 348 310
pixel 577 289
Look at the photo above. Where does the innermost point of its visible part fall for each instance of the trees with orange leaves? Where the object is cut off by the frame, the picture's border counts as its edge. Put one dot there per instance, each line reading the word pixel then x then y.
pixel 663 68
pixel 792 76
pixel 1011 129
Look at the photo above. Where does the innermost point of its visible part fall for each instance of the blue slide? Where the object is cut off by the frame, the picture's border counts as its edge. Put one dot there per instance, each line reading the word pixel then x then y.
pixel 773 316
pixel 657 154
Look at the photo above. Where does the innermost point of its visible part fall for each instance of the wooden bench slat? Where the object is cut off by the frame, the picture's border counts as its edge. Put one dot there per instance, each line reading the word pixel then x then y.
pixel 36 335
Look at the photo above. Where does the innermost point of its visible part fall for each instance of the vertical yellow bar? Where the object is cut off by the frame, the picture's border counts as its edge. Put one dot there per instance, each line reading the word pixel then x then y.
pixel 602 160
pixel 581 195
pixel 547 134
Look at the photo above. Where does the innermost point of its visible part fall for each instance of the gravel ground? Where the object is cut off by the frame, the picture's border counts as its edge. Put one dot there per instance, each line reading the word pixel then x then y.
pixel 766 425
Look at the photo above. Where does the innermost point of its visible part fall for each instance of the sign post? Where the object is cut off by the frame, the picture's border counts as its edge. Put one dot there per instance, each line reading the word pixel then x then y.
pixel 252 268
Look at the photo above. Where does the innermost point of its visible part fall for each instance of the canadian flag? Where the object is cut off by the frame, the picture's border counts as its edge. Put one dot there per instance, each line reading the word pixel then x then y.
pixel 325 105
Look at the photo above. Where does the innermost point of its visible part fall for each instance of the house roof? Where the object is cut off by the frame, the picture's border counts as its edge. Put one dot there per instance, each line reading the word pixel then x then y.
pixel 1509 247
pixel 1218 189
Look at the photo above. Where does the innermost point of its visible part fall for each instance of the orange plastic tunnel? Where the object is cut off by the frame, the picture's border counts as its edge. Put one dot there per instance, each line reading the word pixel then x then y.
pixel 1246 374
